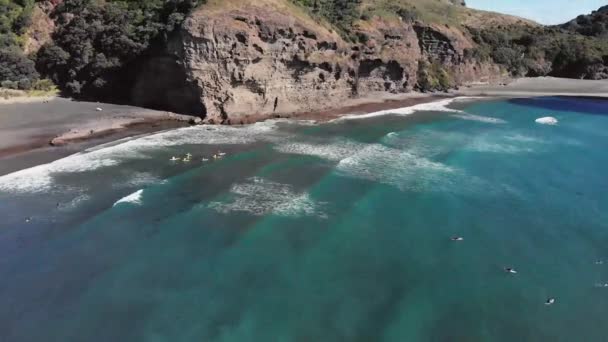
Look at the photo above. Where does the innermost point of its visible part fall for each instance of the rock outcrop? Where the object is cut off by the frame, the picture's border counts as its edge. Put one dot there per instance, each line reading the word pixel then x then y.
pixel 41 26
pixel 256 61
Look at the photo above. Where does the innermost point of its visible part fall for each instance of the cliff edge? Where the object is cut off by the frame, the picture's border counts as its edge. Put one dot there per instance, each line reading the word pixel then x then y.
pixel 264 58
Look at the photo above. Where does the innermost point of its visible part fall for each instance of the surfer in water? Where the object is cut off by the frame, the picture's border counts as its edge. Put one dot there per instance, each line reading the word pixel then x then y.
pixel 457 238
pixel 510 270
pixel 550 301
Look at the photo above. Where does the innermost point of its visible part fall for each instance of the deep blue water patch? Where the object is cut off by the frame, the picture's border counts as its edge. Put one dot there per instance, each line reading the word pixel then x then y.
pixel 585 105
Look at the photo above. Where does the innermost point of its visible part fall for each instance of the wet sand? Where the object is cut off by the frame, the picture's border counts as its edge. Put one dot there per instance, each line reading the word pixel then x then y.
pixel 370 103
pixel 27 128
pixel 539 86
pixel 407 100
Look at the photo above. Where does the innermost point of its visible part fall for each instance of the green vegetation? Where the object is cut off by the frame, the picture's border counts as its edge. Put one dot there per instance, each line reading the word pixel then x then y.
pixel 436 11
pixel 433 77
pixel 594 24
pixel 14 19
pixel 96 42
pixel 539 51
pixel 17 71
pixel 340 13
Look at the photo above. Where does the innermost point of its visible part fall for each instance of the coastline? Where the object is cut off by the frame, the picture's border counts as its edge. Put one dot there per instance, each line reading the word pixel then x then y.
pixel 372 104
pixel 92 125
pixel 538 86
pixel 40 130
pixel 55 127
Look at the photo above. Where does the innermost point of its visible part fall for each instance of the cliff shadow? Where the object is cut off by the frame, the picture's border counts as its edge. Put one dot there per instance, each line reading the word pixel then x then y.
pixel 161 83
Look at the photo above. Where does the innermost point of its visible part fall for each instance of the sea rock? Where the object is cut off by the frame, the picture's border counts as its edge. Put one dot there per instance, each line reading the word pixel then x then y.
pixel 548 120
pixel 195 121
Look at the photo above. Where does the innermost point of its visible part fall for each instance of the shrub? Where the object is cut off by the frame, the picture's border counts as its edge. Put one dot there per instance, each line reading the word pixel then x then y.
pixel 341 13
pixel 525 50
pixel 14 66
pixel 9 84
pixel 433 76
pixel 43 85
pixel 24 84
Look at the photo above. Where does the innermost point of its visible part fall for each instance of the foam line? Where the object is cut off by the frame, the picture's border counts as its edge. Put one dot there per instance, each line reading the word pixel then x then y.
pixel 479 118
pixel 435 106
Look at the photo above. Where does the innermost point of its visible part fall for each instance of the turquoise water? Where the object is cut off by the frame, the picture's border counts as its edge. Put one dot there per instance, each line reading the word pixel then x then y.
pixel 331 232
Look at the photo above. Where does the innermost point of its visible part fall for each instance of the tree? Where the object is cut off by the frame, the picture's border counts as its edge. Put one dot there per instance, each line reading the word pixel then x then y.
pixel 15 67
pixel 91 50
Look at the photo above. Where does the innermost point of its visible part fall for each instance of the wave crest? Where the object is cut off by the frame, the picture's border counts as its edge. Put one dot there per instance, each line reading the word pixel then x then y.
pixel 134 198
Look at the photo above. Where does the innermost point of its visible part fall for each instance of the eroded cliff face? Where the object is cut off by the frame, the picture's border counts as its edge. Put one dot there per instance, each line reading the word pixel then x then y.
pixel 255 62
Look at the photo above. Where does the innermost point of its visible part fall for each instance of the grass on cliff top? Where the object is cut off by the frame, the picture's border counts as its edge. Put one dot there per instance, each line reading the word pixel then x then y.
pixel 341 15
pixel 284 6
pixel 438 12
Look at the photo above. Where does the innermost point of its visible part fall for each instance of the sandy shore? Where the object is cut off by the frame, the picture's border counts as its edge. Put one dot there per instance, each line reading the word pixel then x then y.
pixel 29 127
pixel 58 121
pixel 540 86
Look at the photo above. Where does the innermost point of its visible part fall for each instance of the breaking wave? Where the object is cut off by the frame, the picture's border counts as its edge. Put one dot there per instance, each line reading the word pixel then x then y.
pixel 41 178
pixel 134 198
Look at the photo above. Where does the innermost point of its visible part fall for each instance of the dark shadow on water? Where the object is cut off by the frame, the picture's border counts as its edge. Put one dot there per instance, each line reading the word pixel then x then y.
pixel 587 105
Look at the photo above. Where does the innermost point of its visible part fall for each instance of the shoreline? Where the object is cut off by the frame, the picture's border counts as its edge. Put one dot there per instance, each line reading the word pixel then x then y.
pixel 104 127
pixel 37 130
pixel 362 107
pixel 74 126
pixel 538 87
pixel 23 148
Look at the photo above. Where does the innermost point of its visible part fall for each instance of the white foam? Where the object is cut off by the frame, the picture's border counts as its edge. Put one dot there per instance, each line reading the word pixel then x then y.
pixel 479 118
pixel 75 202
pixel 335 151
pixel 405 166
pixel 489 146
pixel 436 106
pixel 525 139
pixel 139 179
pixel 405 169
pixel 41 178
pixel 548 120
pixel 134 198
pixel 401 169
pixel 261 197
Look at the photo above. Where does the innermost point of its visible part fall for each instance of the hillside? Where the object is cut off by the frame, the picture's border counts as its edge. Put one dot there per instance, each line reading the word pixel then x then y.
pixel 594 24
pixel 232 60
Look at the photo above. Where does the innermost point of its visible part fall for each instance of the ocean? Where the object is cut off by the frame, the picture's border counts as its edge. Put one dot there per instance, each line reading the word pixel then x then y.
pixel 337 231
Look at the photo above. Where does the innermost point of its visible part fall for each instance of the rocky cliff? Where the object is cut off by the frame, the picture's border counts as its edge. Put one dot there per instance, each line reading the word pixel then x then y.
pixel 259 60
pixel 233 61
